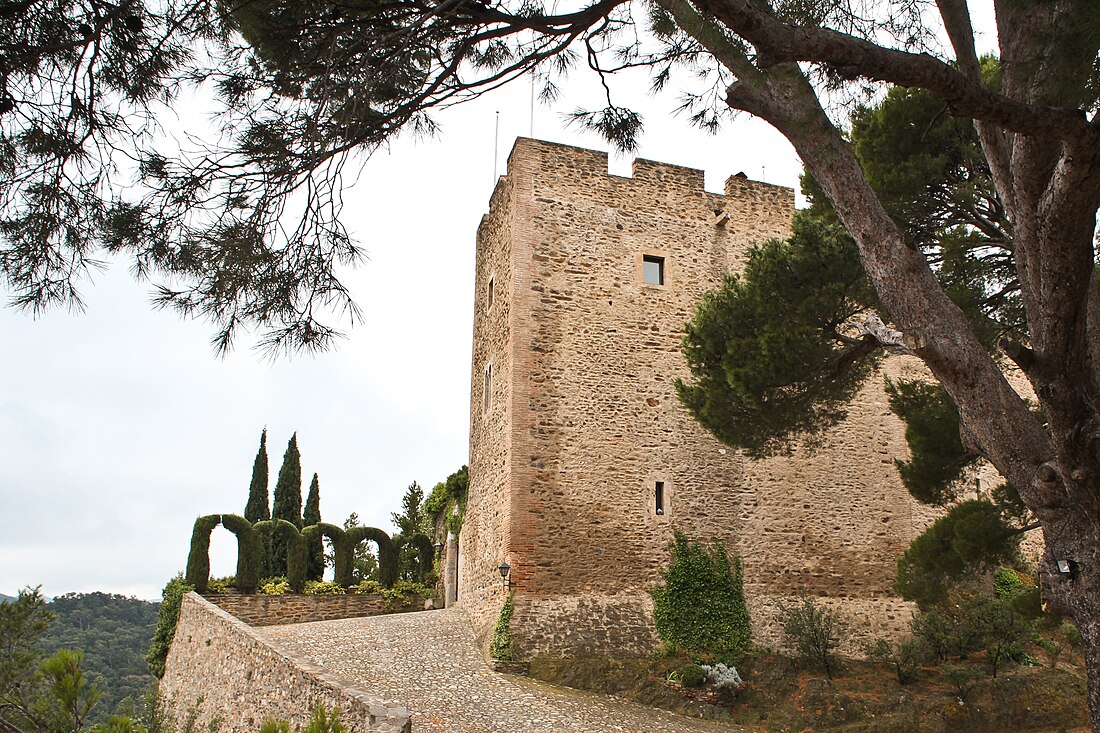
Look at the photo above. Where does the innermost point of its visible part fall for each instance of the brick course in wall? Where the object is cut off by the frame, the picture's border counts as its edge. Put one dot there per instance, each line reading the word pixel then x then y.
pixel 584 420
pixel 263 610
pixel 219 669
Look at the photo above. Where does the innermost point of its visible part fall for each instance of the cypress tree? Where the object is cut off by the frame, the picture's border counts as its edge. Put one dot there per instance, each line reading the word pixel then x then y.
pixel 288 502
pixel 257 508
pixel 315 567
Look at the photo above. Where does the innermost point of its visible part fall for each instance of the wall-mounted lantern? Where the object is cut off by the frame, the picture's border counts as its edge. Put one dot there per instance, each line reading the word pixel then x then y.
pixel 505 569
pixel 438 547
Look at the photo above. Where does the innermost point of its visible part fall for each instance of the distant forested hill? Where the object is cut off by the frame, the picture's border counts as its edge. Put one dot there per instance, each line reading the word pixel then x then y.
pixel 5 599
pixel 114 631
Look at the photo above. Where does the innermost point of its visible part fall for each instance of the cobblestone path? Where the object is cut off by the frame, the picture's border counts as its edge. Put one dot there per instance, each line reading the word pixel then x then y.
pixel 428 662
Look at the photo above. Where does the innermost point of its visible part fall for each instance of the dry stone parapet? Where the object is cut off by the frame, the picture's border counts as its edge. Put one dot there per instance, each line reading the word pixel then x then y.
pixel 262 610
pixel 225 674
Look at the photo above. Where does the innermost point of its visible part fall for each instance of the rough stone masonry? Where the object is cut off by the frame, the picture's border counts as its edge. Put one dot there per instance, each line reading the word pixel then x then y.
pixel 582 460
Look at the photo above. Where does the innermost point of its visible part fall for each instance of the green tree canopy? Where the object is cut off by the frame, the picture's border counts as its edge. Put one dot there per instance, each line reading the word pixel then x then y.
pixel 39 694
pixel 113 632
pixel 409 523
pixel 287 503
pixel 257 508
pixel 772 353
pixel 364 562
pixel 971 535
pixel 447 498
pixel 311 514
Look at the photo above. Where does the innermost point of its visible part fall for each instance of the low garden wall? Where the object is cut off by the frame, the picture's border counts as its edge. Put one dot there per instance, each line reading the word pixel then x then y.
pixel 263 610
pixel 221 674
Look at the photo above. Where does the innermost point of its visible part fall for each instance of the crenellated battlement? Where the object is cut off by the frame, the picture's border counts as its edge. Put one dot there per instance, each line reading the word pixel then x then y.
pixel 591 166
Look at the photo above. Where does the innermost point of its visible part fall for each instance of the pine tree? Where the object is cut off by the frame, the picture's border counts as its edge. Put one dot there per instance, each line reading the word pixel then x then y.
pixel 408 524
pixel 288 502
pixel 315 569
pixel 257 509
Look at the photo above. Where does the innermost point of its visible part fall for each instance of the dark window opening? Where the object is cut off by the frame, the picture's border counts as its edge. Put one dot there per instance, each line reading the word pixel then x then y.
pixel 487 397
pixel 659 497
pixel 490 293
pixel 653 270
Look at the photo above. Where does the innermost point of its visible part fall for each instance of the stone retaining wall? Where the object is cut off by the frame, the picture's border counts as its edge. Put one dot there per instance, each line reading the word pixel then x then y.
pixel 223 673
pixel 261 610
pixel 860 621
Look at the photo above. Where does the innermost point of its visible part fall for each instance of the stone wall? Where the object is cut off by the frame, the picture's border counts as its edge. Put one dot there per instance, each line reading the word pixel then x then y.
pixel 564 471
pixel 481 543
pixel 219 669
pixel 292 608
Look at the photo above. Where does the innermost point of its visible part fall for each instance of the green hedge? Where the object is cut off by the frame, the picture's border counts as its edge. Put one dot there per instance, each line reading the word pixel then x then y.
pixel 252 538
pixel 342 550
pixel 198 559
pixel 250 551
pixel 387 551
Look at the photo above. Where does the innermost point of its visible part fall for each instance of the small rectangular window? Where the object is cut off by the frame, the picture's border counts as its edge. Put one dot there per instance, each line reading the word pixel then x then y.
pixel 490 293
pixel 487 387
pixel 659 497
pixel 653 270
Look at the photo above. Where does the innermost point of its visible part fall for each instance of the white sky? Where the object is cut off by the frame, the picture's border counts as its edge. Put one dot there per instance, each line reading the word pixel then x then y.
pixel 119 426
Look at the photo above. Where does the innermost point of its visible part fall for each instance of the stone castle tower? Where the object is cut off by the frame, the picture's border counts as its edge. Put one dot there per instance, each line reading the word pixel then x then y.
pixel 582 460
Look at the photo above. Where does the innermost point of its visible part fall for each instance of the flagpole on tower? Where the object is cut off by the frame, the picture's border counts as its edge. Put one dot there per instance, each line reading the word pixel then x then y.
pixel 496 147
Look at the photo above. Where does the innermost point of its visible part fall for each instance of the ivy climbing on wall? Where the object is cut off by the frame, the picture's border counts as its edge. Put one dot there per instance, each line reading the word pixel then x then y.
pixel 700 607
pixel 501 646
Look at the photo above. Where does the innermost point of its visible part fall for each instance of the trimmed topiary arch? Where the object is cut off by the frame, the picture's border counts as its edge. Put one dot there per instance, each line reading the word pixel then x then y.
pixel 250 551
pixel 387 551
pixel 341 549
pixel 251 540
pixel 198 559
pixel 297 549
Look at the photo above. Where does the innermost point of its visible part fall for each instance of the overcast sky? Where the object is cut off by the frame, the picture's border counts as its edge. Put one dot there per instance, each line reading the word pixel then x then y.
pixel 119 426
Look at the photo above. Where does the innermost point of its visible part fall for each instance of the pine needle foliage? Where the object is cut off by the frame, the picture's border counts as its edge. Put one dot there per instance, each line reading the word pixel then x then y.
pixel 700 607
pixel 971 536
pixel 934 473
pixel 770 357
